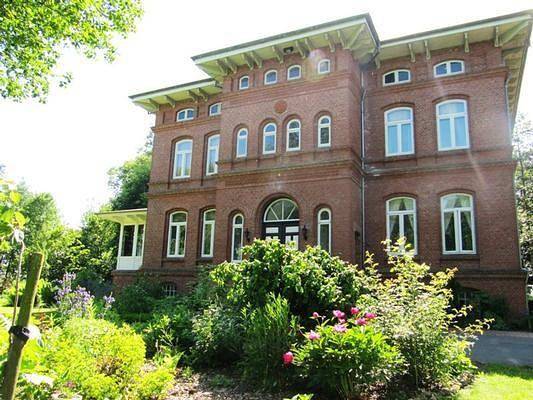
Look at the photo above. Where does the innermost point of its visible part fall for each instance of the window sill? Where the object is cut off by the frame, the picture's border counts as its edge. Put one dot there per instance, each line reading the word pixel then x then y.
pixel 454 257
pixel 399 157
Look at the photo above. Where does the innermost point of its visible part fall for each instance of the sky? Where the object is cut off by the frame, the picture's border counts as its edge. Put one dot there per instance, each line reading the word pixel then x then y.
pixel 67 145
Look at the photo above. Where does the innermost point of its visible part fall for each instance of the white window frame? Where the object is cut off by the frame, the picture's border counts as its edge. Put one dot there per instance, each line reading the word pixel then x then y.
pixel 204 225
pixel 323 61
pixel 268 73
pixel 396 74
pixel 241 87
pixel 219 105
pixel 452 125
pixel 171 224
pixel 401 214
pixel 209 148
pixel 236 226
pixel 294 130
pixel 170 289
pixel 321 222
pixel 186 118
pixel 183 154
pixel 398 125
pixel 295 66
pixel 321 125
pixel 457 225
pixel 448 64
pixel 265 134
pixel 245 138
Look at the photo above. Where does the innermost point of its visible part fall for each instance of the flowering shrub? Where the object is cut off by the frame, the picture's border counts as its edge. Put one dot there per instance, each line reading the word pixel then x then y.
pixel 346 355
pixel 414 311
pixel 72 302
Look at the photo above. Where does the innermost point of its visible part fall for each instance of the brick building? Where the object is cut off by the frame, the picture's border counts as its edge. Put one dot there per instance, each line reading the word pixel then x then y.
pixel 328 135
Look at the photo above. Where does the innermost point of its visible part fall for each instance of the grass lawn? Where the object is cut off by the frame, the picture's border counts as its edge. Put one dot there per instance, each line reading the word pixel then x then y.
pixel 496 382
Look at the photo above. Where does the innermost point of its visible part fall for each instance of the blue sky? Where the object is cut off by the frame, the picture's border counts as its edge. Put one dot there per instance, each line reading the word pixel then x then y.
pixel 67 145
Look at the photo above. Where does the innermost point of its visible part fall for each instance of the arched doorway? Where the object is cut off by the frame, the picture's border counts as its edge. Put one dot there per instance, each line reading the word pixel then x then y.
pixel 282 221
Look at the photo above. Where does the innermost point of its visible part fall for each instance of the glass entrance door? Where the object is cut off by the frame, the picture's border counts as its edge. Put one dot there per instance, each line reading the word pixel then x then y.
pixel 281 221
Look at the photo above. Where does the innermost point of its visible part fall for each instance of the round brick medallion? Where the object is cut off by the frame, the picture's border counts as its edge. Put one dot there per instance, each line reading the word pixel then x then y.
pixel 280 107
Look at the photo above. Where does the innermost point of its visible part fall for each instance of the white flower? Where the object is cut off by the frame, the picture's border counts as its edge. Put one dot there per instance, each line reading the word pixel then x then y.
pixel 38 380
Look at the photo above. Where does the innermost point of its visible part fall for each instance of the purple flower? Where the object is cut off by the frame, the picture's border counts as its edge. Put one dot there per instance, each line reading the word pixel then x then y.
pixel 340 328
pixel 313 335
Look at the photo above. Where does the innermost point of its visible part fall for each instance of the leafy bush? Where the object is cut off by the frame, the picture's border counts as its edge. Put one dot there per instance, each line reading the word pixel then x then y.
pixel 217 336
pixel 44 293
pixel 138 298
pixel 347 356
pixel 154 383
pixel 169 328
pixel 270 332
pixel 310 281
pixel 97 358
pixel 413 309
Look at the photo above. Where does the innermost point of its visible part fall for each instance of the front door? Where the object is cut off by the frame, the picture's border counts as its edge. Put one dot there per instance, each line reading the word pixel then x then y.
pixel 281 221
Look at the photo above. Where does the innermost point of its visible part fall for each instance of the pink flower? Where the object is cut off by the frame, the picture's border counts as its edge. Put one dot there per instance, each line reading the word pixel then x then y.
pixel 354 310
pixel 316 315
pixel 361 321
pixel 288 358
pixel 339 314
pixel 313 335
pixel 342 321
pixel 370 315
pixel 340 328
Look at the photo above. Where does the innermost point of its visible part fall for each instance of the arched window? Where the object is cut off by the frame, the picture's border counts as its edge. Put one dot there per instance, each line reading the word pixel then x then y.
pixel 212 154
pixel 458 224
pixel 271 77
pixel 281 221
pixel 293 135
pixel 450 67
pixel 294 72
pixel 237 234
pixel 282 210
pixel 399 131
pixel 177 232
pixel 401 220
pixel 244 82
pixel 170 289
pixel 324 66
pixel 324 229
pixel 182 159
pixel 324 131
pixel 208 233
pixel 397 76
pixel 215 109
pixel 452 125
pixel 185 115
pixel 242 143
pixel 269 138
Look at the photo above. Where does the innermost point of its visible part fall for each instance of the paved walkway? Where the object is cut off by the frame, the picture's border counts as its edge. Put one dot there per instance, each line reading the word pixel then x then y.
pixel 511 348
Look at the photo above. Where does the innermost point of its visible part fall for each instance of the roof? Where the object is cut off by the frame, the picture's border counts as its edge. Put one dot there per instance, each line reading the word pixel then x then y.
pixel 357 34
pixel 125 217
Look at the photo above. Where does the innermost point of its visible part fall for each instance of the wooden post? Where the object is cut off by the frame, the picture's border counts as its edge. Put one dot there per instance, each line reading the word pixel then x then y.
pixel 14 356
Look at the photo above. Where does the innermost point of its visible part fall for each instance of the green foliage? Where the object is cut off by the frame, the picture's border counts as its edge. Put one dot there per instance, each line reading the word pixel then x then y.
pixel 33 33
pixel 269 332
pixel 348 362
pixel 413 309
pixel 154 383
pixel 130 182
pixel 12 220
pixel 98 358
pixel 310 281
pixel 44 293
pixel 217 333
pixel 523 153
pixel 138 298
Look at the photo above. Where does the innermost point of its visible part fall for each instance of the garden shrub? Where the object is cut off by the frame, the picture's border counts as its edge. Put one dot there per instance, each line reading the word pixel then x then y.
pixel 217 335
pixel 414 312
pixel 155 382
pixel 98 358
pixel 270 331
pixel 311 280
pixel 44 293
pixel 346 356
pixel 138 300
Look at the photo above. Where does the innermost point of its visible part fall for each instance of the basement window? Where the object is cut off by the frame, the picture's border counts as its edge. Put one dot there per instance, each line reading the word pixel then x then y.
pixel 396 77
pixel 450 67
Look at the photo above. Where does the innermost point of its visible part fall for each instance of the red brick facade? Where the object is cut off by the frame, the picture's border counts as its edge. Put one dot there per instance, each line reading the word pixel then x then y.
pixel 352 181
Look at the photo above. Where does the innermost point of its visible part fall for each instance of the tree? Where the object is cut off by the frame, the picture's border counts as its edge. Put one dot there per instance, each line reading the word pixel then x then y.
pixel 130 182
pixel 33 33
pixel 523 153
